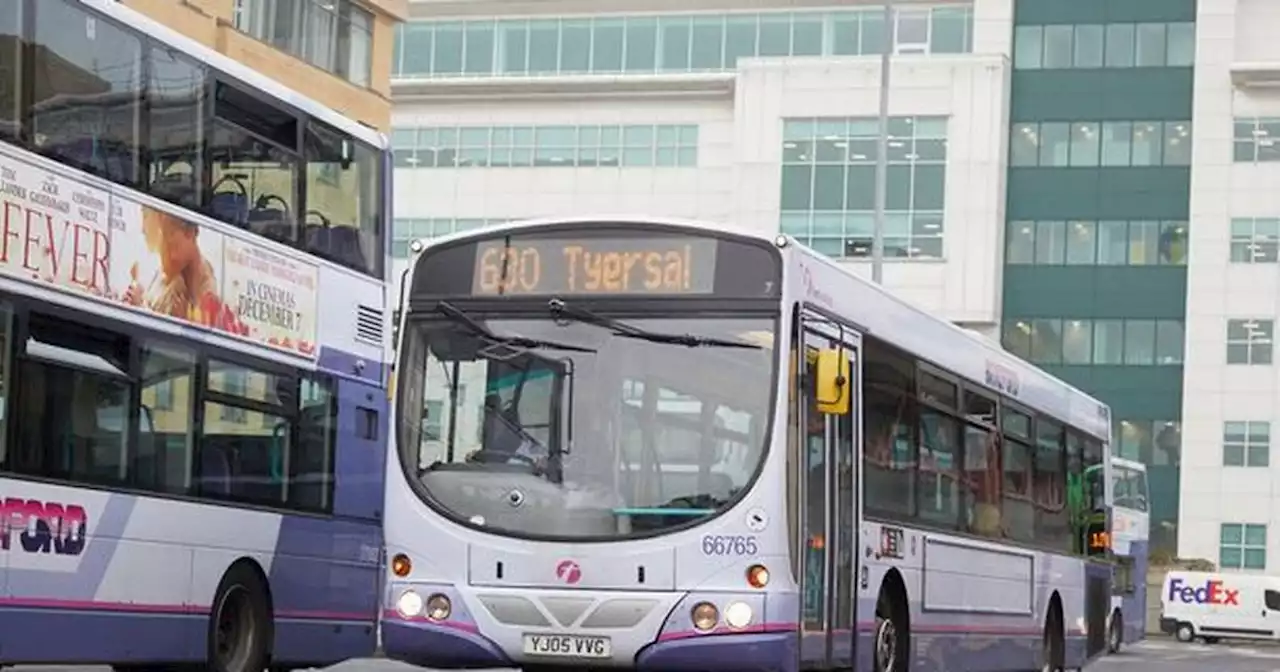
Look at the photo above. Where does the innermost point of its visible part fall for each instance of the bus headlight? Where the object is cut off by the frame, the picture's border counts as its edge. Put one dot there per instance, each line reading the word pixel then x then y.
pixel 704 616
pixel 410 604
pixel 439 607
pixel 737 615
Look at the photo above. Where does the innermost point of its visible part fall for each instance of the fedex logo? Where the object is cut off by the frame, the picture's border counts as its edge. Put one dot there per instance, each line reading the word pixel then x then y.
pixel 1212 592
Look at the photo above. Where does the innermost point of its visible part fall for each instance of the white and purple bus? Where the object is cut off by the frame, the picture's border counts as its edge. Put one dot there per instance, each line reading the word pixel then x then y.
pixel 1130 546
pixel 664 445
pixel 191 440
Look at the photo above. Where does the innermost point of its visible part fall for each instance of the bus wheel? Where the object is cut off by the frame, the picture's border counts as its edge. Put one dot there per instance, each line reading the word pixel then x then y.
pixel 1053 655
pixel 1185 633
pixel 1115 634
pixel 893 633
pixel 240 623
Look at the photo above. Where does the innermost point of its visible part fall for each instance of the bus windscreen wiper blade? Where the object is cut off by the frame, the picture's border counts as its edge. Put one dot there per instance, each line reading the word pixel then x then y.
pixel 560 310
pixel 456 314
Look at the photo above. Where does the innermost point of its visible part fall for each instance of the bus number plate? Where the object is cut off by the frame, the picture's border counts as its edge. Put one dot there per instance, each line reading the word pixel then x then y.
pixel 568 646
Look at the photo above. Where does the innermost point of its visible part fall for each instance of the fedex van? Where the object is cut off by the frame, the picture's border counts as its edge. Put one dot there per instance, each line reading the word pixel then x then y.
pixel 1211 606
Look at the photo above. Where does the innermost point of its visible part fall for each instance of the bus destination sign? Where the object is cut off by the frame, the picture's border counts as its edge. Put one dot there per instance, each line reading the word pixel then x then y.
pixel 559 266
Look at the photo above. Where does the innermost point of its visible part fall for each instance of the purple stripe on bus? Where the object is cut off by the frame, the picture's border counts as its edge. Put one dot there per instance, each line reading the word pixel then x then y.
pixel 427 645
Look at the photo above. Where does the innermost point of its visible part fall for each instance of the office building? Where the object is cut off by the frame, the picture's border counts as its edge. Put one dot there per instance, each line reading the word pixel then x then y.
pixel 1040 159
pixel 337 52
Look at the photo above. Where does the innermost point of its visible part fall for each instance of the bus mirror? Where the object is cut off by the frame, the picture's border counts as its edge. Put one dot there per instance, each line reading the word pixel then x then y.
pixel 832 389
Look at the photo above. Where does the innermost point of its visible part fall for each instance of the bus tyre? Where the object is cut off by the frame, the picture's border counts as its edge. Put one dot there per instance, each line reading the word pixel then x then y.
pixel 1185 632
pixel 892 636
pixel 1053 655
pixel 1115 633
pixel 239 623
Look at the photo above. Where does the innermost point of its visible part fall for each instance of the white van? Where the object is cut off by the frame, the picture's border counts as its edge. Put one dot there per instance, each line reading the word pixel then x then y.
pixel 1212 606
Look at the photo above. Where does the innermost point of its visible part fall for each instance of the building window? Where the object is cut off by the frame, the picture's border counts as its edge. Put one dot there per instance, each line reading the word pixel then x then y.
pixel 1246 444
pixel 333 35
pixel 1250 341
pixel 1117 45
pixel 829 185
pixel 1095 342
pixel 1156 443
pixel 545 146
pixel 1057 144
pixel 1255 240
pixel 407 230
pixel 1090 243
pixel 1257 139
pixel 685 42
pixel 1242 546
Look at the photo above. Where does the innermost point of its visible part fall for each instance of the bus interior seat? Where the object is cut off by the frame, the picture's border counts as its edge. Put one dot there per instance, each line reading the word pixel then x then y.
pixel 337 243
pixel 270 218
pixel 215 469
pixel 231 207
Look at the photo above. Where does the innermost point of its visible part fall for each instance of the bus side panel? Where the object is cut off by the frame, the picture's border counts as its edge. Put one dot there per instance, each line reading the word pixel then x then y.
pixel 325 581
pixel 362 444
pixel 324 590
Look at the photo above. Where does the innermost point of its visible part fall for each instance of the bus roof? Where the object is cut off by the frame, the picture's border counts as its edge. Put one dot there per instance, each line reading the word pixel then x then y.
pixel 185 45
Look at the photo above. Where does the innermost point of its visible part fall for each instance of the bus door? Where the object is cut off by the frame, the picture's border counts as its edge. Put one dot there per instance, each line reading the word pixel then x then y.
pixel 828 523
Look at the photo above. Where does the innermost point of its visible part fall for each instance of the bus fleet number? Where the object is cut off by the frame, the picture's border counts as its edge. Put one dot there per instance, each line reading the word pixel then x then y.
pixel 729 544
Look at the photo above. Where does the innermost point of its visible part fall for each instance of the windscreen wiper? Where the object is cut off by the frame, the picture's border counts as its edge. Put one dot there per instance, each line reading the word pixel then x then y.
pixel 456 314
pixel 562 311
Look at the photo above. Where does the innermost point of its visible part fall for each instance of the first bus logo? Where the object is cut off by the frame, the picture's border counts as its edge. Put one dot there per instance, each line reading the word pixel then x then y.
pixel 43 527
pixel 1212 592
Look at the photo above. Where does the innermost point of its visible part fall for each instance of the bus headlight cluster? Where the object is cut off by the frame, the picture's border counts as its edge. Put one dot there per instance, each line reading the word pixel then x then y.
pixel 737 615
pixel 439 607
pixel 705 616
pixel 410 604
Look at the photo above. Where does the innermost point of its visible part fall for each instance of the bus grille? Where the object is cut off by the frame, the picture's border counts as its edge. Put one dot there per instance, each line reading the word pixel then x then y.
pixel 369 325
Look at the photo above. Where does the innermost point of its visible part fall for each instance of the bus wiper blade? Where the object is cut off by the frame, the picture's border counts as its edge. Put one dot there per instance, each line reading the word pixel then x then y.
pixel 455 314
pixel 560 310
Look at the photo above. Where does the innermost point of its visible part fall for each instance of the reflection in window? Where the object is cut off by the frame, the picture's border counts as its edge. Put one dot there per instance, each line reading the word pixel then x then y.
pixel 666 43
pixel 1255 240
pixel 163 458
pixel 1155 443
pixel 6 378
pixel 90 73
pixel 1246 444
pixel 828 185
pixel 1250 341
pixel 11 46
pixel 1116 45
pixel 175 96
pixel 1084 144
pixel 1106 243
pixel 1107 342
pixel 938 493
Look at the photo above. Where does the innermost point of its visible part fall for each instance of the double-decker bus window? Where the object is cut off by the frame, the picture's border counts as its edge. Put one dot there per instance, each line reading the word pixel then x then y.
pixel 889 419
pixel 166 422
pixel 74 409
pixel 11 80
pixel 175 116
pixel 343 207
pixel 253 153
pixel 86 90
pixel 310 475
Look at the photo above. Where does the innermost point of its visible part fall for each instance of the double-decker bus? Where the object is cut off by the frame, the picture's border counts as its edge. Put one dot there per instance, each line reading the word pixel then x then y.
pixel 1129 537
pixel 664 445
pixel 191 441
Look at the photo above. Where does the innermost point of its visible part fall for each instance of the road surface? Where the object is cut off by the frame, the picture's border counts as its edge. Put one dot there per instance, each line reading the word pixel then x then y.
pixel 1157 655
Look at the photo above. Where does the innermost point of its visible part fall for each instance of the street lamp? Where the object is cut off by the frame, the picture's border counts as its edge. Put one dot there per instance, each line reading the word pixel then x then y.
pixel 882 150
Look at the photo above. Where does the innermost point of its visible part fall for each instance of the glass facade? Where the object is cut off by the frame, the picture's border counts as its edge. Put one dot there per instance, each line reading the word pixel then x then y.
pixel 545 146
pixel 1115 45
pixel 1098 207
pixel 407 230
pixel 829 185
pixel 668 43
pixel 1124 342
pixel 1089 243
pixel 1242 546
pixel 1089 144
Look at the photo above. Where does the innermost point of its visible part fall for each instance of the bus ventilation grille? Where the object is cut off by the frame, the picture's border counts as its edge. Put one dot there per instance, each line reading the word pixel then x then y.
pixel 369 325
